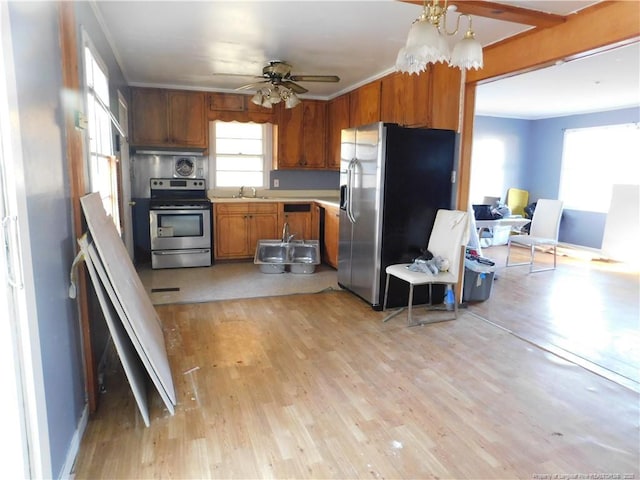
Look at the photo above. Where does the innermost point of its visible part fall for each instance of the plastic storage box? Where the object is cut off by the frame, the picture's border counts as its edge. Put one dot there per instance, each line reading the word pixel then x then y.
pixel 478 280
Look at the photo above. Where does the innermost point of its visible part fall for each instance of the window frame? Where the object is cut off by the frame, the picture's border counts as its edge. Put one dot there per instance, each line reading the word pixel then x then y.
pixel 267 149
pixel 575 186
pixel 94 173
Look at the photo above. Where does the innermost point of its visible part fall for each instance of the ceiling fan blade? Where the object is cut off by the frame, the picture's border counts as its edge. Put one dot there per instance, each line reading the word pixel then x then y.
pixel 293 86
pixel 314 78
pixel 256 85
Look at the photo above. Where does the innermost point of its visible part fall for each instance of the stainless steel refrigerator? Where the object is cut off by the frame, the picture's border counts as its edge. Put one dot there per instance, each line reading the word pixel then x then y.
pixel 392 181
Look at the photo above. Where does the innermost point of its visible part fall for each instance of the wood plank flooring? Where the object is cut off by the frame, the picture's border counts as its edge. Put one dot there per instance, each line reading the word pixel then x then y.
pixel 316 386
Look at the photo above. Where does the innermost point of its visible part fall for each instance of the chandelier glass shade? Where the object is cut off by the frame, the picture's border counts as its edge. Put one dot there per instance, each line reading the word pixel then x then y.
pixel 273 94
pixel 426 42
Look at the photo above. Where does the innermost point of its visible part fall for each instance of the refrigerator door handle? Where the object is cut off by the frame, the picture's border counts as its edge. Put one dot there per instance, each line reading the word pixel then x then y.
pixel 350 174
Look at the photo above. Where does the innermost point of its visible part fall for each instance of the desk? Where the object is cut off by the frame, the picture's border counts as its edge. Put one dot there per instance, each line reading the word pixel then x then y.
pixel 514 221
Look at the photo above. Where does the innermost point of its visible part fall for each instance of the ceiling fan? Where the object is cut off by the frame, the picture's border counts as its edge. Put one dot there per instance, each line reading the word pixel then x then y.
pixel 278 73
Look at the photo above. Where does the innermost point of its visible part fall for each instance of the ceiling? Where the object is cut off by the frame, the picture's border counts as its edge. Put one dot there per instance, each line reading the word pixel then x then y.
pixel 195 45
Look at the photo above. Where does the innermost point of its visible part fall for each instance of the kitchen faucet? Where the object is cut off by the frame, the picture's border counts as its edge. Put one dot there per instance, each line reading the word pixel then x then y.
pixel 286 238
pixel 241 192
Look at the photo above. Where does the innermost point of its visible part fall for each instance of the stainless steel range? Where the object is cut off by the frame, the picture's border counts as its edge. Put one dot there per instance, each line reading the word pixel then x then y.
pixel 180 223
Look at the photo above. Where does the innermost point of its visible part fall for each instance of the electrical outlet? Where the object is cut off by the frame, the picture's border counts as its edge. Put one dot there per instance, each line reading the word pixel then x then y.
pixel 276 183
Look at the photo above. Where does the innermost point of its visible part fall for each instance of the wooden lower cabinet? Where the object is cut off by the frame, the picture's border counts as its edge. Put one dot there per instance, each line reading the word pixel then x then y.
pixel 331 235
pixel 239 226
pixel 299 218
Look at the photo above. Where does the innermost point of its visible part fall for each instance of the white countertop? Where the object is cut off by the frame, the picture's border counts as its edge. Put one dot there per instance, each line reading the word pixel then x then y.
pixel 326 197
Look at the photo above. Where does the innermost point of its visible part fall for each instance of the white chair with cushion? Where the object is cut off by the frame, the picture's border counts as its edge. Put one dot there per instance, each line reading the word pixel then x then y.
pixel 545 226
pixel 448 238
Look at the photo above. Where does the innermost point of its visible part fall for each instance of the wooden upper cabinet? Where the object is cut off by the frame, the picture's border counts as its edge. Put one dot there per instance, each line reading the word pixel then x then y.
pixel 227 102
pixel 314 134
pixel 394 98
pixel 338 118
pixel 236 107
pixel 431 99
pixel 162 118
pixel 364 104
pixel 301 136
pixel 187 125
pixel 444 94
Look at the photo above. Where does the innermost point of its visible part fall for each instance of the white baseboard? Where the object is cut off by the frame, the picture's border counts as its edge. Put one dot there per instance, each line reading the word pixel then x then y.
pixel 74 446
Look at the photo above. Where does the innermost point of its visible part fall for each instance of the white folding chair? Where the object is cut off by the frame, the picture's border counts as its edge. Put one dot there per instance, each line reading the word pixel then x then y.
pixel 545 226
pixel 448 238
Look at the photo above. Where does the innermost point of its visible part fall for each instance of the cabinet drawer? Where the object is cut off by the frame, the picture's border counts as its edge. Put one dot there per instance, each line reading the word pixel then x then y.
pixel 232 208
pixel 258 207
pixel 227 102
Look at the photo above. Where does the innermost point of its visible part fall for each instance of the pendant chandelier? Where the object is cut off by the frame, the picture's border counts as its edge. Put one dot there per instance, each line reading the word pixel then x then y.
pixel 269 96
pixel 427 42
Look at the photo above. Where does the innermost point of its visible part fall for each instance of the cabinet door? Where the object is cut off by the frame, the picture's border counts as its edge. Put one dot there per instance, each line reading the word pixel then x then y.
pixel 289 137
pixel 393 98
pixel 444 96
pixel 314 130
pixel 187 118
pixel 231 236
pixel 299 224
pixel 316 213
pixel 331 234
pixel 149 114
pixel 338 113
pixel 263 226
pixel 365 104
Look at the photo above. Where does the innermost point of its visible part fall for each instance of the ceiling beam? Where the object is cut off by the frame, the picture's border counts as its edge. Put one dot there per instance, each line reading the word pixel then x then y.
pixel 500 11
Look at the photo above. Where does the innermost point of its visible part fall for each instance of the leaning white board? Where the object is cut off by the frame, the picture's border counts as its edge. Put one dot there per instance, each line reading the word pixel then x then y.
pixel 140 318
pixel 622 227
pixel 111 310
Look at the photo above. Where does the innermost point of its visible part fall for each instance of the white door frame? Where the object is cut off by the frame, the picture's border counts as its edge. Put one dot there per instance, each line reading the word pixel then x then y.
pixel 24 416
pixel 125 169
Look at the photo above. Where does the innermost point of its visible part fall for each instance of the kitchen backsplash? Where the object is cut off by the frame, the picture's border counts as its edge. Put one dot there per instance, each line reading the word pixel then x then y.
pixel 304 180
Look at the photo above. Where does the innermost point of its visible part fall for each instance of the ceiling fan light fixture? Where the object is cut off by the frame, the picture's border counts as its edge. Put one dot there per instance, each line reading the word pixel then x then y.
pixel 257 98
pixel 292 100
pixel 274 95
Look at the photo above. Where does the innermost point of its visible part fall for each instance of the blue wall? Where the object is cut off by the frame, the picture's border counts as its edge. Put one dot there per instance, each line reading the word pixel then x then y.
pixel 305 180
pixel 537 160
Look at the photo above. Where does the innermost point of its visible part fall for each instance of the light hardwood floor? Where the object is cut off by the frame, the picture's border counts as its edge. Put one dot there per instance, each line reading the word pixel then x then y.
pixel 316 386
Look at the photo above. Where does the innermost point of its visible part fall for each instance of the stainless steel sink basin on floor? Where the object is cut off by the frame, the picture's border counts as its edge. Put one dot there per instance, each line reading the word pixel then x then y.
pixel 299 256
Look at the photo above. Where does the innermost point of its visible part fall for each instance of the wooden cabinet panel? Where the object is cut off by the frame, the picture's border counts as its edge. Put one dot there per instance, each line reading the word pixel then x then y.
pixel 239 226
pixel 393 98
pixel 316 212
pixel 227 102
pixel 289 149
pixel 445 97
pixel 338 118
pixel 187 124
pixel 230 236
pixel 314 128
pixel 149 113
pixel 331 235
pixel 430 99
pixel 262 226
pixel 299 218
pixel 168 118
pixel 364 104
pixel 301 135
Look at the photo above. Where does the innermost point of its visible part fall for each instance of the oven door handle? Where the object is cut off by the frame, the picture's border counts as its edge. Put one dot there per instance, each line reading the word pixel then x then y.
pixel 181 211
pixel 181 252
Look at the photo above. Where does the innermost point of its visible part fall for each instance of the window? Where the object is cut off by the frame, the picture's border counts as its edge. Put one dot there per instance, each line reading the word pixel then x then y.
pixel 103 168
pixel 593 160
pixel 240 155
